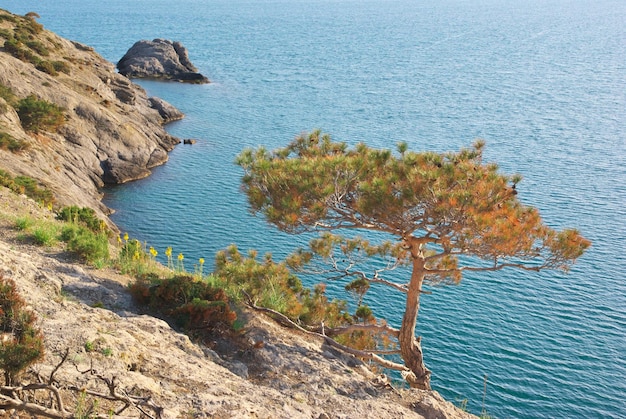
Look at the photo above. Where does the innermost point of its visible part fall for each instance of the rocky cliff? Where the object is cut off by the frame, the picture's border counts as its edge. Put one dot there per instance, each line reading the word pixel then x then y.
pixel 112 133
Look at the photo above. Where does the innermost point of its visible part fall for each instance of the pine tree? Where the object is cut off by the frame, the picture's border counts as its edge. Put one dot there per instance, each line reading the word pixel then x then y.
pixel 438 214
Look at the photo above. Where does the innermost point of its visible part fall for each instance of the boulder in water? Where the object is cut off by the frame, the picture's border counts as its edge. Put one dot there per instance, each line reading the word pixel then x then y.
pixel 159 59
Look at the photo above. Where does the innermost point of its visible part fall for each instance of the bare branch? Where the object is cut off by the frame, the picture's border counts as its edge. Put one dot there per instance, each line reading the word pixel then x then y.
pixel 400 287
pixel 498 267
pixel 365 355
pixel 55 369
pixel 7 403
pixel 362 327
pixel 330 341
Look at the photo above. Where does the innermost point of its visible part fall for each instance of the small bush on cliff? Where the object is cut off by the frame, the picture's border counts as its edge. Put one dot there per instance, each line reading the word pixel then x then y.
pixel 15 48
pixel 45 234
pixel 7 94
pixel 61 66
pixel 271 285
pixel 84 216
pixel 39 115
pixel 38 47
pixel 7 142
pixel 46 67
pixel 195 306
pixel 28 186
pixel 92 247
pixel 22 343
pixel 29 26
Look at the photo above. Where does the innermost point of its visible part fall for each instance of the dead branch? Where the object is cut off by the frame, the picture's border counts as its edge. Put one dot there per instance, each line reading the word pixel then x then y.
pixel 55 369
pixel 330 341
pixel 10 396
pixel 7 402
pixel 359 328
pixel 114 395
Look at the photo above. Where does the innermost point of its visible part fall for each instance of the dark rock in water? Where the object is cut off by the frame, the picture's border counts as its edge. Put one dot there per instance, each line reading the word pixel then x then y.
pixel 118 171
pixel 189 141
pixel 159 59
pixel 168 112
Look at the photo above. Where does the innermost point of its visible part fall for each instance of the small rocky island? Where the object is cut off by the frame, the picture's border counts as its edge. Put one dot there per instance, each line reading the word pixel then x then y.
pixel 160 59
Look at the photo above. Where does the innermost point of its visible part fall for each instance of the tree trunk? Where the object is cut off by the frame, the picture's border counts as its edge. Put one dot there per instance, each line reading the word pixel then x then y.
pixel 410 347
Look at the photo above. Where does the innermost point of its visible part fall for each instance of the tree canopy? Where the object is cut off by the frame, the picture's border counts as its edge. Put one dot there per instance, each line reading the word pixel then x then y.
pixel 442 214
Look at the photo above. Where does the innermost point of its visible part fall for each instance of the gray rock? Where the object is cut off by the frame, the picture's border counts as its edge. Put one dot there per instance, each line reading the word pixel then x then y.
pixel 120 171
pixel 159 59
pixel 168 112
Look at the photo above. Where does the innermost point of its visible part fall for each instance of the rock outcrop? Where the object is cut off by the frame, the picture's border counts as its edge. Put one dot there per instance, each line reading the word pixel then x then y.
pixel 113 132
pixel 159 59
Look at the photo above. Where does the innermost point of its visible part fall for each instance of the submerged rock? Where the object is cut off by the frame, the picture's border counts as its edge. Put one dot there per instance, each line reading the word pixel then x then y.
pixel 159 59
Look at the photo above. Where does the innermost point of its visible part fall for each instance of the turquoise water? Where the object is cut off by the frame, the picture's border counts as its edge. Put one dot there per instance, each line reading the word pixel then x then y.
pixel 543 82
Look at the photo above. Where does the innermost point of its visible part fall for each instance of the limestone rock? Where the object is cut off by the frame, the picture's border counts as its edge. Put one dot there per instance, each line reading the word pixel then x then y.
pixel 113 132
pixel 159 59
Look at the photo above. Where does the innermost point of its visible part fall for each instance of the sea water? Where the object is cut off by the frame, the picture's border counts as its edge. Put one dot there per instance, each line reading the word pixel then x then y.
pixel 543 82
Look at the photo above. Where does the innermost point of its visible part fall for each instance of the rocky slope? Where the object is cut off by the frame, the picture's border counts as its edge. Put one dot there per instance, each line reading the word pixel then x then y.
pixel 113 133
pixel 282 374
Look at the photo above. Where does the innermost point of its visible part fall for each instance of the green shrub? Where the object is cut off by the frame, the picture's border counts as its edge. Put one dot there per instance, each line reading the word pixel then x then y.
pixel 14 47
pixel 28 186
pixel 84 216
pixel 87 245
pixel 70 232
pixel 7 142
pixel 61 66
pixel 39 115
pixel 24 223
pixel 29 26
pixel 46 67
pixel 89 346
pixel 45 234
pixel 8 18
pixel 38 47
pixel 195 306
pixel 22 342
pixel 7 94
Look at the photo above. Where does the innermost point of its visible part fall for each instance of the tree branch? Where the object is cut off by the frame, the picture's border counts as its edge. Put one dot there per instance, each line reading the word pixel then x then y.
pixel 7 403
pixel 360 327
pixel 330 341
